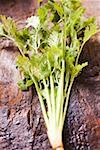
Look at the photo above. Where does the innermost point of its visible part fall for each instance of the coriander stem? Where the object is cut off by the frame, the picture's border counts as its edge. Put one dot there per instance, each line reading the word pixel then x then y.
pixel 67 99
pixel 55 137
pixel 53 102
pixel 78 55
pixel 10 38
pixel 40 99
pixel 35 43
pixel 67 81
pixel 60 148
pixel 64 36
pixel 60 92
pixel 47 98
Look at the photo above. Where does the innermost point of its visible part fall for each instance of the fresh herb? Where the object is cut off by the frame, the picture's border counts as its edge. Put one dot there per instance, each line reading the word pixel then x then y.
pixel 50 46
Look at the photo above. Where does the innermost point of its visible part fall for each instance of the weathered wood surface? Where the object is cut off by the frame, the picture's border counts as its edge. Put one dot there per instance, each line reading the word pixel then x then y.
pixel 21 123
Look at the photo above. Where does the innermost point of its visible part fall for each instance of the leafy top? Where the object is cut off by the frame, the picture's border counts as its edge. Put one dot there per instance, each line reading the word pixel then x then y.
pixel 58 33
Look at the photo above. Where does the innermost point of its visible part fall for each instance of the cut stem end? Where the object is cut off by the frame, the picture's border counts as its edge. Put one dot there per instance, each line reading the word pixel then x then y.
pixel 55 139
pixel 59 148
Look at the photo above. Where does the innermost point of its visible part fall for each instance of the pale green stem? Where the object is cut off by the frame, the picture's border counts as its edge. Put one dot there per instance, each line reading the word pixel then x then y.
pixel 64 35
pixel 40 99
pixel 53 102
pixel 63 98
pixel 67 82
pixel 47 98
pixel 61 114
pixel 66 101
pixel 36 36
pixel 77 58
pixel 60 93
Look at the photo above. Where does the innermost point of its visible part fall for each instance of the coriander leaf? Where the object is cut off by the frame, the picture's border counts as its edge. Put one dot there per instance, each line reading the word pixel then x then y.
pixel 25 84
pixel 24 64
pixel 53 39
pixel 89 31
pixel 9 26
pixel 29 83
pixel 22 85
pixel 77 69
pixel 55 55
pixel 40 67
pixel 42 12
pixel 59 9
pixel 33 21
pixel 75 17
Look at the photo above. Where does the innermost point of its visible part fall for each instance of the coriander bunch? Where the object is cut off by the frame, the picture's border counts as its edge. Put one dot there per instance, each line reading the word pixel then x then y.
pixel 50 45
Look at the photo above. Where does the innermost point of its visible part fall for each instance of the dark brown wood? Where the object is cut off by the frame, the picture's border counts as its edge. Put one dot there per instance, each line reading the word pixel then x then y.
pixel 21 122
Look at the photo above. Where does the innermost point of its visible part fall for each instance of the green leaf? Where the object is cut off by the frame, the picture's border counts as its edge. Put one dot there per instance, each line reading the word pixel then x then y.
pixel 89 31
pixel 21 40
pixel 84 23
pixel 59 9
pixel 76 15
pixel 9 26
pixel 35 62
pixel 22 85
pixel 76 69
pixel 24 64
pixel 25 84
pixel 75 43
pixel 53 40
pixel 55 56
pixel 42 13
pixel 9 30
pixel 29 83
pixel 40 68
pixel 44 67
pixel 33 21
